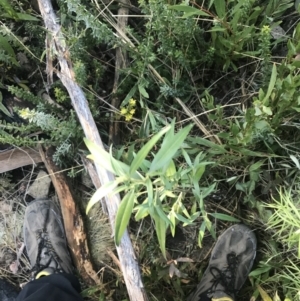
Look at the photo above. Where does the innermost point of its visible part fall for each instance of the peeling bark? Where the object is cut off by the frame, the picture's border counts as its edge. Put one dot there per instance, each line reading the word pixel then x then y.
pixel 73 222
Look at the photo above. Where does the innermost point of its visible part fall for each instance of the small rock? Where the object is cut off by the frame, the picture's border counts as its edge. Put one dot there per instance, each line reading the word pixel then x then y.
pixel 86 180
pixel 5 208
pixel 40 187
pixel 278 32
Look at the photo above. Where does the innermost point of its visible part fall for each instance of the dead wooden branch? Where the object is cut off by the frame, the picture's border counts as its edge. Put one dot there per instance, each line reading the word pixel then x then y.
pixel 72 220
pixel 128 260
pixel 91 170
pixel 18 157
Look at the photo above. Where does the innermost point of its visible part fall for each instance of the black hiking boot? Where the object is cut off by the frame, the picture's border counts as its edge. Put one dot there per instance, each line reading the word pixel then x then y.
pixel 230 263
pixel 8 292
pixel 45 239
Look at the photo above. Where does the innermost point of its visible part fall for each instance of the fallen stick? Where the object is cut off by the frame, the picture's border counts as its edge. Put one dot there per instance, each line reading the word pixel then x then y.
pixel 91 171
pixel 128 260
pixel 73 222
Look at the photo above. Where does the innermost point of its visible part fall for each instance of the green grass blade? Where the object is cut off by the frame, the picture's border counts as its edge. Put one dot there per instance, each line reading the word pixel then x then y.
pixel 123 215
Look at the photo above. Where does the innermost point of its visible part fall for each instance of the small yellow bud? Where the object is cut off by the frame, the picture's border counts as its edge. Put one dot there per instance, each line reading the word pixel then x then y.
pixel 132 102
pixel 266 29
pixel 26 113
pixel 123 111
pixel 132 111
pixel 128 117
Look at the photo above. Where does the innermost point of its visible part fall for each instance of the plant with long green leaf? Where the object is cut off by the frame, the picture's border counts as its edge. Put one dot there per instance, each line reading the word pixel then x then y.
pixel 233 28
pixel 10 13
pixel 151 184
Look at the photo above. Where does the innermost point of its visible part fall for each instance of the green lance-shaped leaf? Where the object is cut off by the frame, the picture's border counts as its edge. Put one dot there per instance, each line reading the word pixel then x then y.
pixel 198 173
pixel 202 141
pixel 104 190
pixel 149 187
pixel 188 10
pixel 103 158
pixel 224 217
pixel 142 211
pixel 172 219
pixel 168 150
pixel 208 190
pixel 99 155
pixel 220 8
pixel 123 215
pixel 9 9
pixel 201 233
pixel 171 170
pixel 8 49
pixel 161 229
pixel 144 151
pixel 143 91
pixel 3 108
pixel 27 17
pixel 295 160
pixel 271 85
pixel 256 166
pixel 187 158
pixel 120 169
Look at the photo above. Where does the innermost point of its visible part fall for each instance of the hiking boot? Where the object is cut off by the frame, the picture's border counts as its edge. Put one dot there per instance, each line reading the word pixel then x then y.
pixel 230 263
pixel 8 292
pixel 45 239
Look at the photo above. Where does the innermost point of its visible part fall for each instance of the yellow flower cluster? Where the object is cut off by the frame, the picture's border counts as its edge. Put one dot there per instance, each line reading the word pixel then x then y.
pixel 27 114
pixel 129 110
pixel 266 29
